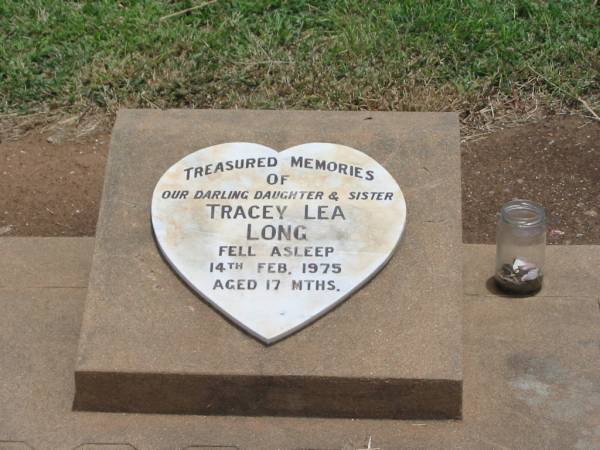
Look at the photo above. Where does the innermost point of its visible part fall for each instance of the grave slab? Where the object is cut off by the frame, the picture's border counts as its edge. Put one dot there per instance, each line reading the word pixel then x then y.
pixel 392 350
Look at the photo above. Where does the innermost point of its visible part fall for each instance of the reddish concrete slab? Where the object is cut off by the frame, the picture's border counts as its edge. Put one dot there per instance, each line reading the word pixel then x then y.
pixel 33 262
pixel 531 377
pixel 393 350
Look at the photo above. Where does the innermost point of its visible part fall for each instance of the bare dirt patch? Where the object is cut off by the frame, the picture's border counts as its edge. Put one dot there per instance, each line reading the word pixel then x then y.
pixel 555 162
pixel 50 187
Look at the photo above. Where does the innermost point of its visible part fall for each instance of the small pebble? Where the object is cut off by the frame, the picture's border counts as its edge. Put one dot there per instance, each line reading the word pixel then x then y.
pixel 5 229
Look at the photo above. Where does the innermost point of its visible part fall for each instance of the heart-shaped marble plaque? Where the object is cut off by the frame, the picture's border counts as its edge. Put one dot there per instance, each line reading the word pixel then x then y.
pixel 274 240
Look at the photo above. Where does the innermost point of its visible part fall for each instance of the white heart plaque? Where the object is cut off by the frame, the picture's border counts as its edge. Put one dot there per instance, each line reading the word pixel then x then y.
pixel 274 240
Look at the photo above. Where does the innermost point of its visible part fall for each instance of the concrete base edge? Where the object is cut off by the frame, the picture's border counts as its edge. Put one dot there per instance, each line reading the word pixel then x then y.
pixel 268 396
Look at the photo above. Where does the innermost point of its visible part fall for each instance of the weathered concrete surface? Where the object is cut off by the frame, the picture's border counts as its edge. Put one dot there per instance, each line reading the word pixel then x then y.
pixel 36 263
pixel 393 350
pixel 531 372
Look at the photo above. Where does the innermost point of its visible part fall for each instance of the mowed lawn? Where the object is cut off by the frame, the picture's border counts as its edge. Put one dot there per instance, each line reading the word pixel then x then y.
pixel 352 54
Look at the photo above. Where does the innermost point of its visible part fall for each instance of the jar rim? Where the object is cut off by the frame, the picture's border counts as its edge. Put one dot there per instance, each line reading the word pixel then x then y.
pixel 524 213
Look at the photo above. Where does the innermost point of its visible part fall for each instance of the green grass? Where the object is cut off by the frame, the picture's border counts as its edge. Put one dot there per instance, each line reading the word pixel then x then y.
pixel 352 54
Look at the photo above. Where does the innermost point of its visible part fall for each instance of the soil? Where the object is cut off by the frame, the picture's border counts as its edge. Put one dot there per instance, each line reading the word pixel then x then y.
pixel 50 187
pixel 555 163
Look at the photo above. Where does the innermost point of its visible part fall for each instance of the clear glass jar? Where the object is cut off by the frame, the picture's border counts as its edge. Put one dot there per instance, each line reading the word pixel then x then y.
pixel 520 247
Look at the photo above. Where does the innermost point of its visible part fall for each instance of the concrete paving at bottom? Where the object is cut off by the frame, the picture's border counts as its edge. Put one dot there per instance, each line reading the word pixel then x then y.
pixel 531 368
